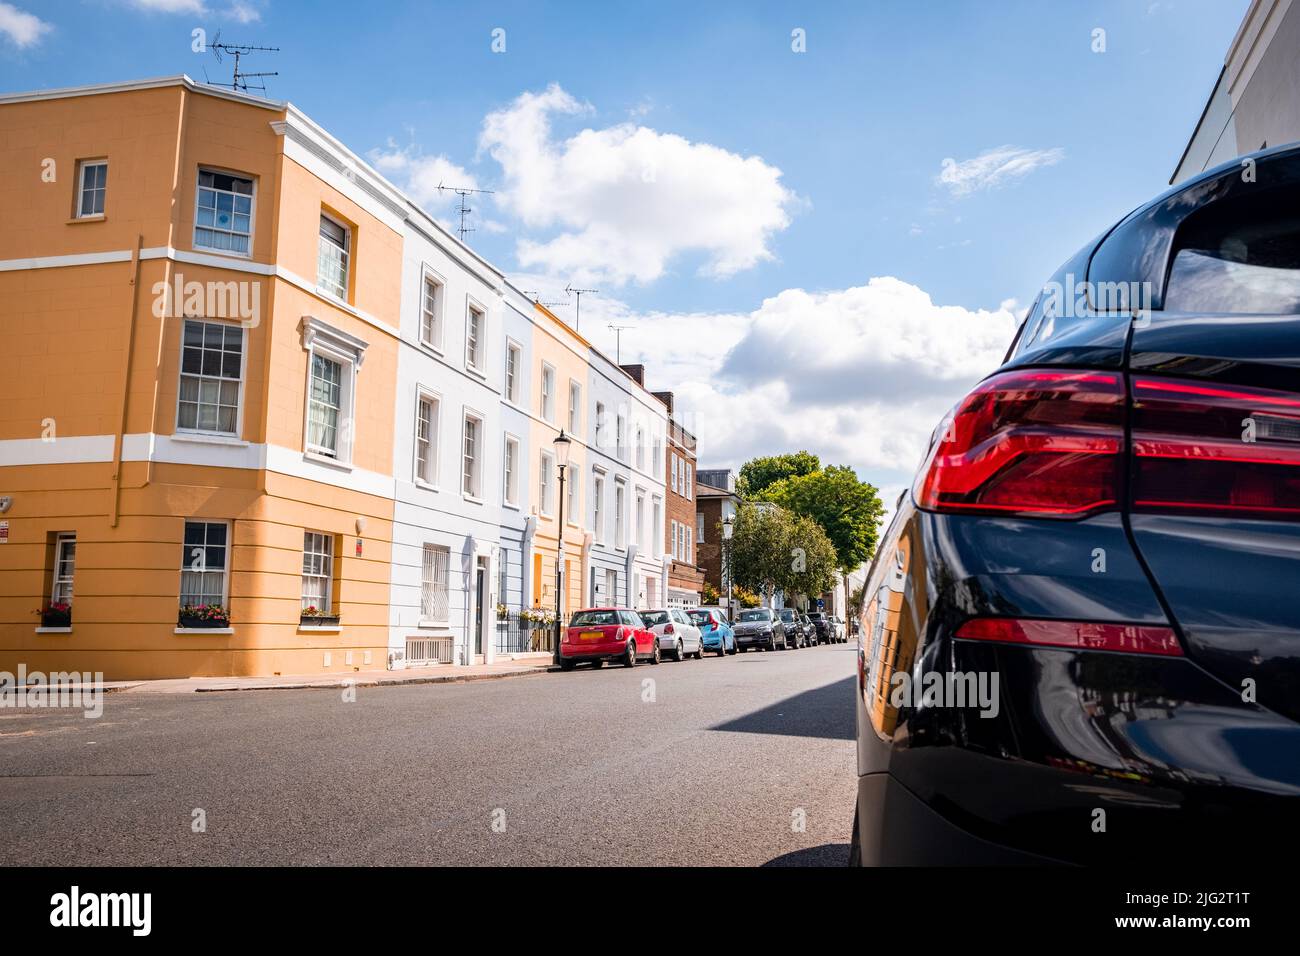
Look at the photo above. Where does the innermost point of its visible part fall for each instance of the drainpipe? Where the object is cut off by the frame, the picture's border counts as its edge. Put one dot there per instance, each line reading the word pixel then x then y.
pixel 120 437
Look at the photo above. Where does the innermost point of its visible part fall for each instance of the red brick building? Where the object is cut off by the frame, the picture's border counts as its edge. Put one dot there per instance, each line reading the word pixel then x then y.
pixel 685 577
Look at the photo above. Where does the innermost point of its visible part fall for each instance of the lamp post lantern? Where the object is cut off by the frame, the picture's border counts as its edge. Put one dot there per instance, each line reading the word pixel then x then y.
pixel 562 442
pixel 727 527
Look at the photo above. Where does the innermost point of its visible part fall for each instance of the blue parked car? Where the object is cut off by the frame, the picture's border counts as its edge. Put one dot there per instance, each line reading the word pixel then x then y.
pixel 716 633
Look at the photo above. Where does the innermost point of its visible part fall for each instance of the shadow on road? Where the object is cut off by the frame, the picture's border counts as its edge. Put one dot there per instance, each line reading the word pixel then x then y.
pixel 828 854
pixel 824 712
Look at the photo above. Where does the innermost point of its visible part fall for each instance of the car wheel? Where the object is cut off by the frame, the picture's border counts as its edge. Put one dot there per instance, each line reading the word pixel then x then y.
pixel 699 650
pixel 568 665
pixel 771 644
pixel 677 652
pixel 654 654
pixel 629 656
pixel 597 664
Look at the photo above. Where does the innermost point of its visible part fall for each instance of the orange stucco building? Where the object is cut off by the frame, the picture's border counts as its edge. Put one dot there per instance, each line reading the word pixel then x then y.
pixel 198 293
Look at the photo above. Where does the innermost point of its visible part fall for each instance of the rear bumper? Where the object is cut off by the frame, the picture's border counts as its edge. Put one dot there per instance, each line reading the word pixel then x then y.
pixel 896 828
pixel 754 640
pixel 596 650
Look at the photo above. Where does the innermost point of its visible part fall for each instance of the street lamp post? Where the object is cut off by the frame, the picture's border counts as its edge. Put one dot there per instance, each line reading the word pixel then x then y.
pixel 727 527
pixel 562 442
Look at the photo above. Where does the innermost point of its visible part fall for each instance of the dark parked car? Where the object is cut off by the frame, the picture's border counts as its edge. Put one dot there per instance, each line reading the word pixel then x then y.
pixel 825 630
pixel 1099 560
pixel 793 627
pixel 760 627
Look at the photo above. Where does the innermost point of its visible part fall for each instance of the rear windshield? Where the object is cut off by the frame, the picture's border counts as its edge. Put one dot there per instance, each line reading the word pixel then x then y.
pixel 652 618
pixel 594 618
pixel 787 615
pixel 1237 256
pixel 753 616
pixel 700 617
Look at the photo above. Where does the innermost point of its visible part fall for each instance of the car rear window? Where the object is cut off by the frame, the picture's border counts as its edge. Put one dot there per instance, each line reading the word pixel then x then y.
pixel 593 618
pixel 1238 255
pixel 700 617
pixel 652 618
pixel 754 615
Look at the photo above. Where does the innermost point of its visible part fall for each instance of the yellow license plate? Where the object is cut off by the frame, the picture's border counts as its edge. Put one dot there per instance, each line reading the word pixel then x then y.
pixel 592 635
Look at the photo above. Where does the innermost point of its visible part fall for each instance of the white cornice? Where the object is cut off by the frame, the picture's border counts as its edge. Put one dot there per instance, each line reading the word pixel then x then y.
pixel 180 79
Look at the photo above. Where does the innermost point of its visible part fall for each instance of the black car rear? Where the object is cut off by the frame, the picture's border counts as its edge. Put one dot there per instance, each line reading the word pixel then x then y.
pixel 822 624
pixel 1081 634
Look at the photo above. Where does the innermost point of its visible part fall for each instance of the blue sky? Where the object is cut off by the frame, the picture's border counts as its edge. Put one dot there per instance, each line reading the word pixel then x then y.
pixel 859 127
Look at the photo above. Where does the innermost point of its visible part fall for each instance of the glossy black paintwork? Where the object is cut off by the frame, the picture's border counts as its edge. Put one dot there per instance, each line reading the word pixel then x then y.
pixel 1184 765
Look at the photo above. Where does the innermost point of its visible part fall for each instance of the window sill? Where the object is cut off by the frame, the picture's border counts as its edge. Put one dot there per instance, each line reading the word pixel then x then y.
pixel 425 486
pixel 320 628
pixel 326 461
pixel 330 296
pixel 434 625
pixel 204 630
pixel 472 499
pixel 79 219
pixel 512 505
pixel 435 350
pixel 53 630
pixel 476 372
pixel 227 253
pixel 209 438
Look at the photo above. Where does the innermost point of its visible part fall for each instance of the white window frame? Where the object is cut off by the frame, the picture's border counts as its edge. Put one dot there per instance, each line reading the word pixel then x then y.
pixel 575 407
pixel 598 424
pixel 639 452
pixel 546 484
pixel 433 461
pixel 61 585
pixel 687 484
pixel 699 527
pixel 337 346
pixel 675 552
pixel 474 306
pixel 187 559
pixel 434 340
pixel 181 374
pixel 428 610
pixel 511 381
pixel 620 437
pixel 620 514
pixel 657 526
pixel 638 518
pixel 475 478
pixel 675 472
pixel 658 464
pixel 322 287
pixel 510 471
pixel 597 505
pixel 547 394
pixel 573 486
pixel 252 212
pixel 82 167
pixel 326 574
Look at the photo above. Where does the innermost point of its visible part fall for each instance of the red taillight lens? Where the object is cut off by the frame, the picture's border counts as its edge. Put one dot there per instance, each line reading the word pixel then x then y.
pixel 1038 442
pixel 668 629
pixel 1215 449
pixel 1080 635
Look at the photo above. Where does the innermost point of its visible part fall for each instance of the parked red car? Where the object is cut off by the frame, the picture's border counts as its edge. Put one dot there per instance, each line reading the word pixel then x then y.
pixel 602 634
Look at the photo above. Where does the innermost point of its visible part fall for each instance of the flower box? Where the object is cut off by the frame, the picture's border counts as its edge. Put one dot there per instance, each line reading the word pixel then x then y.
pixel 318 620
pixel 56 615
pixel 203 616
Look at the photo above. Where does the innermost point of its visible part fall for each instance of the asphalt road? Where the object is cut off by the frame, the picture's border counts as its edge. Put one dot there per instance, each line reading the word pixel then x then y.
pixel 717 761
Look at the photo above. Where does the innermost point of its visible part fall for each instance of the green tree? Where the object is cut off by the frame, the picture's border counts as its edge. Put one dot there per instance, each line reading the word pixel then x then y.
pixel 774 550
pixel 848 509
pixel 759 474
pixel 813 560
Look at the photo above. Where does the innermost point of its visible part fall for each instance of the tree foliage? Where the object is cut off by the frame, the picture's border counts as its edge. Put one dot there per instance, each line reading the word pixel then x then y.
pixel 773 550
pixel 848 509
pixel 759 474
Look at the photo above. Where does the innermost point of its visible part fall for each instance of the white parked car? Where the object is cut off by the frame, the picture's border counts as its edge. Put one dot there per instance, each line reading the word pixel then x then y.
pixel 678 637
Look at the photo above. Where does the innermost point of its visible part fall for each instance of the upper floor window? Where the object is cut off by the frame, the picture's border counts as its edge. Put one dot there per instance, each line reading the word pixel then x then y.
pixel 92 184
pixel 598 507
pixel 620 436
pixel 657 459
pixel 514 355
pixel 687 485
pixel 544 502
pixel 426 439
pixel 325 411
pixel 471 480
pixel 333 360
pixel 431 312
pixel 548 392
pixel 475 324
pixel 223 219
pixel 511 458
pixel 332 258
pixel 640 448
pixel 211 368
pixel 620 522
pixel 600 424
pixel 575 406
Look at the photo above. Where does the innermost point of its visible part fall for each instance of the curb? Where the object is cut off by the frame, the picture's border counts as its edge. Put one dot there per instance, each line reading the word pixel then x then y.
pixel 400 682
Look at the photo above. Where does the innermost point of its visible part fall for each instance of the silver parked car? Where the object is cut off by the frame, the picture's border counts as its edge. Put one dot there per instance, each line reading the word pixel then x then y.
pixel 677 636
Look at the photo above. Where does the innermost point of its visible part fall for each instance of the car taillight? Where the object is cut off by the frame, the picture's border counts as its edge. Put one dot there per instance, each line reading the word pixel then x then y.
pixel 1035 442
pixel 1213 449
pixel 668 629
pixel 1079 635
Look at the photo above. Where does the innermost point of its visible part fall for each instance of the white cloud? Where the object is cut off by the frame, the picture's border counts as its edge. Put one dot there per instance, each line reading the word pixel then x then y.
pixel 628 200
pixel 241 11
pixel 994 167
pixel 22 28
pixel 859 376
pixel 421 175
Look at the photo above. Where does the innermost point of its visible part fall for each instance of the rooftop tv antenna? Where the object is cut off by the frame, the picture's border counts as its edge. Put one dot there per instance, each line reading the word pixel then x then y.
pixel 577 315
pixel 618 331
pixel 464 192
pixel 535 296
pixel 240 80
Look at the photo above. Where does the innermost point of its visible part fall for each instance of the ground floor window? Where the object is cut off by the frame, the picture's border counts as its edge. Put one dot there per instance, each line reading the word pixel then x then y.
pixel 317 571
pixel 65 554
pixel 435 608
pixel 204 561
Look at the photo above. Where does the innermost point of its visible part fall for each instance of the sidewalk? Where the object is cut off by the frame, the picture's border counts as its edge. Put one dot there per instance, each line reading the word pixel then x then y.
pixel 437 674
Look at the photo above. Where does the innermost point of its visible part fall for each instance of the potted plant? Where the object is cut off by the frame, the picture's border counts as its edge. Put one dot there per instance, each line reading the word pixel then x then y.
pixel 503 612
pixel 56 614
pixel 203 615
pixel 312 616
